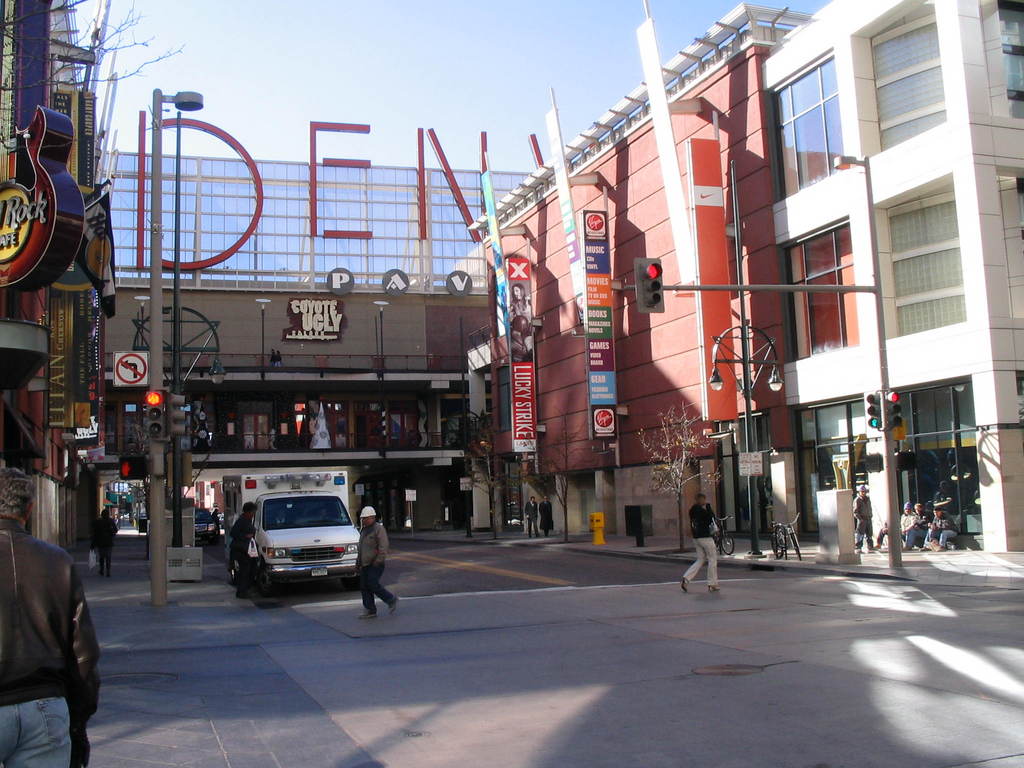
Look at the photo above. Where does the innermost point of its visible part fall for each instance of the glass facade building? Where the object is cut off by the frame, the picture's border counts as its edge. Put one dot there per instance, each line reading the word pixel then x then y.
pixel 218 202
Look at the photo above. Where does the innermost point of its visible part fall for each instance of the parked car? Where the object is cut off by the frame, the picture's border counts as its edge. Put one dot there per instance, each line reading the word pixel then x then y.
pixel 207 529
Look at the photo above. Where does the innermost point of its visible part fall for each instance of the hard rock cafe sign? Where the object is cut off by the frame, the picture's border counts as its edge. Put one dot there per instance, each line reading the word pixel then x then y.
pixel 41 209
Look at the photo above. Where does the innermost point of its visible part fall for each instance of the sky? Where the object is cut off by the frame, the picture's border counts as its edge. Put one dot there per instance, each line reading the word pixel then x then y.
pixel 267 68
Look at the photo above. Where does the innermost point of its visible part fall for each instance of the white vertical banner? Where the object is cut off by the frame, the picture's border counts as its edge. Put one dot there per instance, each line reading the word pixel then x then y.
pixel 668 158
pixel 572 241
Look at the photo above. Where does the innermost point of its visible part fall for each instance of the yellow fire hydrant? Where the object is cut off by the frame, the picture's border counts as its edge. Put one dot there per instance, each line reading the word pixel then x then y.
pixel 597 527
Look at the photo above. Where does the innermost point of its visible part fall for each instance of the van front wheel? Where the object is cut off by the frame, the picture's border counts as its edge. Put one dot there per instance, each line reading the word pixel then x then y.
pixel 266 587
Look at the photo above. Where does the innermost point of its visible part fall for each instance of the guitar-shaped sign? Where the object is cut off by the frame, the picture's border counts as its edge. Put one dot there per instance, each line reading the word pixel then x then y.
pixel 41 212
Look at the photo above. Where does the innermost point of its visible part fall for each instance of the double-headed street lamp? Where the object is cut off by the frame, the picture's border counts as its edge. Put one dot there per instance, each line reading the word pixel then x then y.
pixel 185 101
pixel 263 336
pixel 759 354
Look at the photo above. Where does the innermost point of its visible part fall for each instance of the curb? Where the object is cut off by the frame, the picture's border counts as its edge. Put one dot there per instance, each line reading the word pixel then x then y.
pixel 727 561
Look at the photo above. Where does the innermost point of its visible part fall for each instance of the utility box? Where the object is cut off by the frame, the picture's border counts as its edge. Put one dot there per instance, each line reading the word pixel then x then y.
pixel 184 563
pixel 835 527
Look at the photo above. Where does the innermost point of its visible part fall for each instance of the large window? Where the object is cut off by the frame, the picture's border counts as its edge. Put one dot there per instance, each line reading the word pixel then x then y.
pixel 823 321
pixel 908 79
pixel 1011 20
pixel 926 267
pixel 808 112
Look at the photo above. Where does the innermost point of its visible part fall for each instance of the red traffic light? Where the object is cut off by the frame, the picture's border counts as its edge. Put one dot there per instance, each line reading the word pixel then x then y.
pixel 892 397
pixel 653 270
pixel 154 397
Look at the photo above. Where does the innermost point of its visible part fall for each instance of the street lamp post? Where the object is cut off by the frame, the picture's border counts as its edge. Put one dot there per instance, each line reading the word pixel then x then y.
pixel 263 336
pixel 158 481
pixel 893 514
pixel 764 356
pixel 188 101
pixel 380 376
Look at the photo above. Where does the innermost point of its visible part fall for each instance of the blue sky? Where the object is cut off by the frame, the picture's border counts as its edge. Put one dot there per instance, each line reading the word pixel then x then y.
pixel 266 69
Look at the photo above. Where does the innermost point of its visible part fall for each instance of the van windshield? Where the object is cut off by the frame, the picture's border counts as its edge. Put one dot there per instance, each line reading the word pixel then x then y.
pixel 304 512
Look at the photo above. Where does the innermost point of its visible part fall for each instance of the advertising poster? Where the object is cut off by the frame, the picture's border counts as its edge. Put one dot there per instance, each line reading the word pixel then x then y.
pixel 601 386
pixel 714 308
pixel 572 244
pixel 520 342
pixel 500 273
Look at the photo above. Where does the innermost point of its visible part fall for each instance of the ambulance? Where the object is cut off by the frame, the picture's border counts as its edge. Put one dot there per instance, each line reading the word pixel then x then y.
pixel 304 531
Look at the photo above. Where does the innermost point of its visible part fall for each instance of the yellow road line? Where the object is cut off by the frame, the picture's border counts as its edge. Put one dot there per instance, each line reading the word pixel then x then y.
pixel 418 557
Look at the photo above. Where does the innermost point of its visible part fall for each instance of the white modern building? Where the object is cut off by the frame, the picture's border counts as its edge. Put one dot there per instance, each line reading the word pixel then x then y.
pixel 931 92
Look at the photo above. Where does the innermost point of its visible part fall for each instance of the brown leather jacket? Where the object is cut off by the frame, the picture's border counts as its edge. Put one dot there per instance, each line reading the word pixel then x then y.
pixel 47 643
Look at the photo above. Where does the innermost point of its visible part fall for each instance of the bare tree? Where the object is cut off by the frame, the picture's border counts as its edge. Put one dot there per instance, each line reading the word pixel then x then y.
pixel 483 461
pixel 675 448
pixel 70 62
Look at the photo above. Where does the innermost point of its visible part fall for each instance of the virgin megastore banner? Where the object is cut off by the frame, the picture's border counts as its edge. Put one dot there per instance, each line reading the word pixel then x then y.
pixel 601 389
pixel 521 357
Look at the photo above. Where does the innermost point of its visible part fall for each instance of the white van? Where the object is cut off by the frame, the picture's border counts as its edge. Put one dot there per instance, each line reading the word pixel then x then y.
pixel 303 528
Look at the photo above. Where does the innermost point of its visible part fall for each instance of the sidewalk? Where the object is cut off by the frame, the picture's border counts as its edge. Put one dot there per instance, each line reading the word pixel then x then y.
pixel 958 568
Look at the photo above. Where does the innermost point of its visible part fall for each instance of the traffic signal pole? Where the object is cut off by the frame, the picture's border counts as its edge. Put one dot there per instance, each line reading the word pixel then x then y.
pixel 157 532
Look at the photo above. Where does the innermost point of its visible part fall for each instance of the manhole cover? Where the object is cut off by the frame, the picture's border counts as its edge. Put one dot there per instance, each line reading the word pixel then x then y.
pixel 139 678
pixel 729 669
pixel 414 734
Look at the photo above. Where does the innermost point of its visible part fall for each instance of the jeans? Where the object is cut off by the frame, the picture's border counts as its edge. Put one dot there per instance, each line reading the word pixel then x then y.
pixel 369 584
pixel 35 734
pixel 705 552
pixel 943 537
pixel 915 537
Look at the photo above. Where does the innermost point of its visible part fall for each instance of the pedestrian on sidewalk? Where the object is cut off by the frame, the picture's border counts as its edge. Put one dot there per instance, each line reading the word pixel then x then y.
pixel 862 514
pixel 531 517
pixel 243 532
pixel 701 520
pixel 546 518
pixel 103 532
pixel 49 685
pixel 373 553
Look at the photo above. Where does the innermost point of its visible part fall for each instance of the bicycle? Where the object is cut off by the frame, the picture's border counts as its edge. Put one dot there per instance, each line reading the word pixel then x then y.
pixel 782 535
pixel 724 542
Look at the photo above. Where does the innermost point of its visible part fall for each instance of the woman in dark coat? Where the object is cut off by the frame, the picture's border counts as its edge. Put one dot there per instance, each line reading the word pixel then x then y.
pixel 103 531
pixel 546 523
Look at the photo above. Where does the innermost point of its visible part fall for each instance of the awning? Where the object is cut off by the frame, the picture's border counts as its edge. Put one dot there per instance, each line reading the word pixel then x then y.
pixel 24 347
pixel 18 439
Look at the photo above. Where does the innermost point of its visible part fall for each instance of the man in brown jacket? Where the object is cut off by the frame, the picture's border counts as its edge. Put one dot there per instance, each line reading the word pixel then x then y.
pixel 48 652
pixel 373 552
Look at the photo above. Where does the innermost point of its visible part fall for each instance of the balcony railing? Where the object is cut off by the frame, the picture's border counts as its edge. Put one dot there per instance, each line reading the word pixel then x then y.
pixel 269 442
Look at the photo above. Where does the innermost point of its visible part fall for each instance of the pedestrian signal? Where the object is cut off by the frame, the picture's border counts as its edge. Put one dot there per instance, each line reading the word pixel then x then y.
pixel 134 468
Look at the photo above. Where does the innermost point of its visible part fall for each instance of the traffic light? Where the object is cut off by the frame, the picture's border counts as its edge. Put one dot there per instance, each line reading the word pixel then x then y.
pixel 154 417
pixel 134 467
pixel 894 414
pixel 177 417
pixel 906 461
pixel 872 411
pixel 647 279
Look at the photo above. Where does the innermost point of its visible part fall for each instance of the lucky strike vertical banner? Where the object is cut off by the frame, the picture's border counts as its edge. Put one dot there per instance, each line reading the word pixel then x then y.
pixel 500 274
pixel 601 390
pixel 572 244
pixel 520 344
pixel 714 308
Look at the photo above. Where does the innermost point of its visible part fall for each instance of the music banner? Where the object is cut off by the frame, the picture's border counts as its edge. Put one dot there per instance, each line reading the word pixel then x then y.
pixel 572 244
pixel 601 386
pixel 521 354
pixel 500 274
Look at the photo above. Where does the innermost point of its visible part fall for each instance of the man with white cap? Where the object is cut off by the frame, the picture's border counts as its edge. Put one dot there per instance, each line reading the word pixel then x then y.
pixel 373 552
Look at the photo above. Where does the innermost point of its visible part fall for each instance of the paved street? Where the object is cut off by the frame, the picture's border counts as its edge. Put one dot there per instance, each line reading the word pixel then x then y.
pixel 529 657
